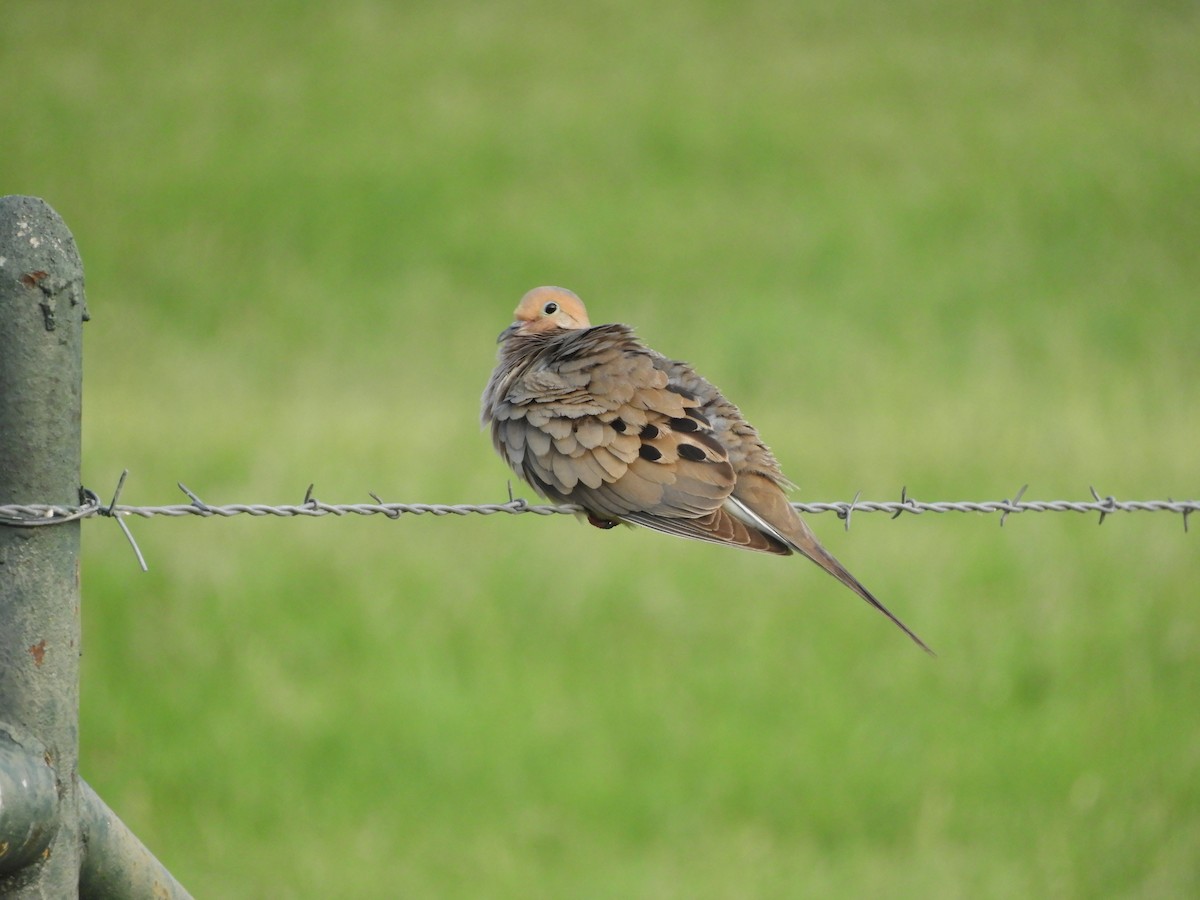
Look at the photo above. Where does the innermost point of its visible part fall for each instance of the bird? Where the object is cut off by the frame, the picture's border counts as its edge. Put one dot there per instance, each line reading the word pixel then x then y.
pixel 589 415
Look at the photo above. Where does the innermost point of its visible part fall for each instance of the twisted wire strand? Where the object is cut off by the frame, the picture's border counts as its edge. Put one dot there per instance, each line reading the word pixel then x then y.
pixel 35 514
pixel 39 514
pixel 32 515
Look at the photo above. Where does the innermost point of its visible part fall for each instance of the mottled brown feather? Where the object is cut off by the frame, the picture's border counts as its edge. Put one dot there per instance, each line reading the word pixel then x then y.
pixel 591 416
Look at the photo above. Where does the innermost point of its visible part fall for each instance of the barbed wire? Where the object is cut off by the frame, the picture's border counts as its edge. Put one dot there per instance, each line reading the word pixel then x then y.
pixel 39 514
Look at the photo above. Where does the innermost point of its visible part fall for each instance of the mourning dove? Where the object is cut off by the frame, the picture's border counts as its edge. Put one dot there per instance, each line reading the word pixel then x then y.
pixel 591 416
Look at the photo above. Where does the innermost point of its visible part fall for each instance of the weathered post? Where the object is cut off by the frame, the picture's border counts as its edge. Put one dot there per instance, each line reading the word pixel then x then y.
pixel 58 839
pixel 42 312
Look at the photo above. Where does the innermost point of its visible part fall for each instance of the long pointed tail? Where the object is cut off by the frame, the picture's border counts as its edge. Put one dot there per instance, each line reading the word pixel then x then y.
pixel 759 501
pixel 826 560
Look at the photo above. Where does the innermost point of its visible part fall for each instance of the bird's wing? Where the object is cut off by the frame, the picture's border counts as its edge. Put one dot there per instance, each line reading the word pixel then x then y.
pixel 590 419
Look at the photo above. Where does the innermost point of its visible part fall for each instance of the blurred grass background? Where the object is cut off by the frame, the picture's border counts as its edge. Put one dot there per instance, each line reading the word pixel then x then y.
pixel 953 246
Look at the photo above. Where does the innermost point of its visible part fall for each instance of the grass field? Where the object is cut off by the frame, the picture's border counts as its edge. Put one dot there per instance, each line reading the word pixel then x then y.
pixel 943 245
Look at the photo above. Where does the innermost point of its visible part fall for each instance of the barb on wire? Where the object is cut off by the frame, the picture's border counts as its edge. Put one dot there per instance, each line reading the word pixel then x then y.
pixel 35 515
pixel 112 512
pixel 1107 505
pixel 1014 504
pixel 196 501
pixel 1186 512
pixel 391 514
pixel 845 514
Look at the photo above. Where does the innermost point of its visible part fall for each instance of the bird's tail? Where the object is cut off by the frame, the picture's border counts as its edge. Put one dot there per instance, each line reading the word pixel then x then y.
pixel 812 548
pixel 762 503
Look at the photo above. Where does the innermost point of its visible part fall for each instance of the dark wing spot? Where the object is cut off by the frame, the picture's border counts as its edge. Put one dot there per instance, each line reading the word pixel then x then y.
pixel 699 416
pixel 648 432
pixel 682 392
pixel 691 451
pixel 648 452
pixel 684 424
pixel 618 426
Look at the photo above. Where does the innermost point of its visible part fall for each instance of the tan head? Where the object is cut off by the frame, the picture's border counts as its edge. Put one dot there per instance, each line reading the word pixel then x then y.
pixel 546 309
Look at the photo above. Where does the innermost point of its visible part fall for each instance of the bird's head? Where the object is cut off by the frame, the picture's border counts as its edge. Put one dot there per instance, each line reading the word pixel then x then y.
pixel 547 309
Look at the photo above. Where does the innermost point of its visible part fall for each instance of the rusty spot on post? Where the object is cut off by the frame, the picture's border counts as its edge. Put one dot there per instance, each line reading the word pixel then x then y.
pixel 38 652
pixel 30 279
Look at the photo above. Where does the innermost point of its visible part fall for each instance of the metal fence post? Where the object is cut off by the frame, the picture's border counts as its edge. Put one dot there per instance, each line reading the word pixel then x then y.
pixel 58 839
pixel 41 376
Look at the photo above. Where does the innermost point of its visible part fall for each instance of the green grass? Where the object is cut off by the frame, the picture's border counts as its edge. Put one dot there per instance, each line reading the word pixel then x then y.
pixel 949 246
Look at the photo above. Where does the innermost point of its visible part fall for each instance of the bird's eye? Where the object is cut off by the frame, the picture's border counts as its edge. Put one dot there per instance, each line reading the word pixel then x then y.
pixel 550 308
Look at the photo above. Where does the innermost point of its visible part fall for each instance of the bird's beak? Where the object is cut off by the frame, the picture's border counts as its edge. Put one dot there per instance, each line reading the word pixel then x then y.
pixel 507 331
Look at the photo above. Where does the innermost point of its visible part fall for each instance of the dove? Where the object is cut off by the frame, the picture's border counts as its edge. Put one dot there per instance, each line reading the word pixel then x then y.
pixel 589 415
